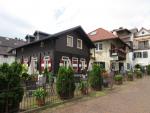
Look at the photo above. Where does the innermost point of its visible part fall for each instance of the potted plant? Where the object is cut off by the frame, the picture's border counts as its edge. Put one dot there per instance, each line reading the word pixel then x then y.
pixel 130 76
pixel 40 95
pixel 118 79
pixel 138 74
pixel 83 87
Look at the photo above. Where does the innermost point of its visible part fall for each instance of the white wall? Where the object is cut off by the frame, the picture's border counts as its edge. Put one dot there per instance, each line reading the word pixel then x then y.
pixel 142 61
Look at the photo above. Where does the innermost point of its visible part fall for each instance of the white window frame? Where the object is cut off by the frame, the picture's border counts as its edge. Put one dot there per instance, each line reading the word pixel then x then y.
pixel 75 59
pixel 82 60
pixel 46 59
pixel 34 63
pixel 79 44
pixel 98 46
pixel 65 61
pixel 68 43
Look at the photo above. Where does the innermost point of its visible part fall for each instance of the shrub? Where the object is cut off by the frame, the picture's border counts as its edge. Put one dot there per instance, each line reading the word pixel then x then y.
pixel 95 79
pixel 138 74
pixel 40 93
pixel 138 66
pixel 10 85
pixel 130 76
pixel 118 78
pixel 83 87
pixel 65 84
pixel 148 69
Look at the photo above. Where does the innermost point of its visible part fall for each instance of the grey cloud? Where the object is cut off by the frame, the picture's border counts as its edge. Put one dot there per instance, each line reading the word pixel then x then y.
pixel 14 21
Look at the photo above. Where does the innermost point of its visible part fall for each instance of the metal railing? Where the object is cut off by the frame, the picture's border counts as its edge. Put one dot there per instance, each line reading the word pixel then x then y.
pixel 29 101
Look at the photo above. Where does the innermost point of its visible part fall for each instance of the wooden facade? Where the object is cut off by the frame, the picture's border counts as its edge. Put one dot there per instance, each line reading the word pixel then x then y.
pixel 52 51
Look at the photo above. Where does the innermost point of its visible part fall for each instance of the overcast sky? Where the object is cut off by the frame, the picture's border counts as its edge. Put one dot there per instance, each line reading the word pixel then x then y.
pixel 21 17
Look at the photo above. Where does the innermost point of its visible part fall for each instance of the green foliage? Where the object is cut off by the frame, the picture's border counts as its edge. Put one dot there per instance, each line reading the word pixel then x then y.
pixel 40 93
pixel 138 73
pixel 138 66
pixel 129 74
pixel 83 85
pixel 148 69
pixel 95 78
pixel 65 84
pixel 10 86
pixel 118 78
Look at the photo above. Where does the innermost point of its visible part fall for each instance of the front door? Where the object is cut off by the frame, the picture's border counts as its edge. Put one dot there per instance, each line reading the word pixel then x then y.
pixel 121 66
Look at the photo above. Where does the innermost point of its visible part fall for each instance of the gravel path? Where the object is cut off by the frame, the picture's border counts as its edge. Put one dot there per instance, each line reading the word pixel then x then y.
pixel 132 98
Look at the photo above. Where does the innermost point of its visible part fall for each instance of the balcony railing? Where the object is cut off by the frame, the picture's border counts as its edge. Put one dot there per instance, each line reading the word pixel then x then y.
pixel 118 52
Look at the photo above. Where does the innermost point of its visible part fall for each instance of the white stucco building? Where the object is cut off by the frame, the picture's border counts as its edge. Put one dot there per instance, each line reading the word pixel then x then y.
pixel 141 46
pixel 110 51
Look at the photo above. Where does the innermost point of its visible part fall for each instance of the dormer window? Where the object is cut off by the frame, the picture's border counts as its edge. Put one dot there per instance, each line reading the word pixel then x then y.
pixel 69 41
pixel 79 43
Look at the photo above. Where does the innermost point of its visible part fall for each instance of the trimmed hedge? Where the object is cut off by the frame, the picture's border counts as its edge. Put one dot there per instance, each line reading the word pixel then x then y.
pixel 95 78
pixel 65 84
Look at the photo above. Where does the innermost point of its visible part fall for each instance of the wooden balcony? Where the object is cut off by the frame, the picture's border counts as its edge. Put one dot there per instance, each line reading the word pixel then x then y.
pixel 119 53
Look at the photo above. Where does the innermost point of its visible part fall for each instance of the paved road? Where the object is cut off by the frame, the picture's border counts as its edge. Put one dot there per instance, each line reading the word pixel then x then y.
pixel 132 98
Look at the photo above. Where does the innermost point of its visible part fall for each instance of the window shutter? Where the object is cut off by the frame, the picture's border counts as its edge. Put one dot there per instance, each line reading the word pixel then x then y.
pixel 42 64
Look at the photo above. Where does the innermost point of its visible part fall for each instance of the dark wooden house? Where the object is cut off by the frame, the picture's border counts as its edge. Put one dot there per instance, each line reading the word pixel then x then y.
pixel 69 47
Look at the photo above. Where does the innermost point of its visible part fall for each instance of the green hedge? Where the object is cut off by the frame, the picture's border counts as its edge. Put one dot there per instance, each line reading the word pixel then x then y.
pixel 95 78
pixel 65 84
pixel 11 92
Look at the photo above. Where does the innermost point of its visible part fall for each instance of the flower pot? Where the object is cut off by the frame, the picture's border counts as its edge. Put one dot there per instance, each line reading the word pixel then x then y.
pixel 105 83
pixel 40 101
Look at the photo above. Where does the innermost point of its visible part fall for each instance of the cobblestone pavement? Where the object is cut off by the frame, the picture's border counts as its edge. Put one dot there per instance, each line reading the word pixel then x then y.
pixel 131 98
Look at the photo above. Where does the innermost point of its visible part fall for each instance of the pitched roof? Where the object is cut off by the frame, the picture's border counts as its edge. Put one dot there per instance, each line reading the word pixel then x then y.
pixel 101 34
pixel 56 35
pixel 8 43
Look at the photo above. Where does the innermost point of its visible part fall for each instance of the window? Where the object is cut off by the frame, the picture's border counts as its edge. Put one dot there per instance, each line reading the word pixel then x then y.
pixel 42 44
pixel 34 64
pixel 75 64
pixel 137 55
pixel 143 44
pixel 83 65
pixel 65 61
pixel 79 43
pixel 101 64
pixel 99 46
pixel 69 41
pixel 143 32
pixel 46 60
pixel 145 54
pixel 128 66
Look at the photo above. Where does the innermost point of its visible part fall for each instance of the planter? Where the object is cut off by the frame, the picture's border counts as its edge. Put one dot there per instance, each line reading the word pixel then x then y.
pixel 84 91
pixel 119 82
pixel 40 101
pixel 105 82
pixel 130 78
pixel 65 96
pixel 138 77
